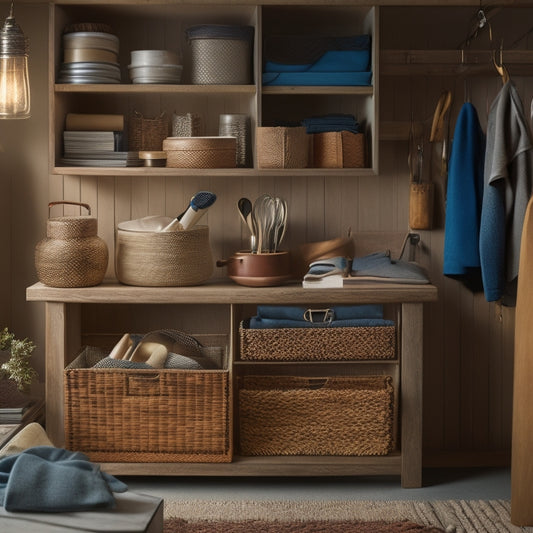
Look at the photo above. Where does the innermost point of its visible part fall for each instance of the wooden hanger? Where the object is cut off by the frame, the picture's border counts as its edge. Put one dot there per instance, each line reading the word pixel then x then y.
pixel 437 127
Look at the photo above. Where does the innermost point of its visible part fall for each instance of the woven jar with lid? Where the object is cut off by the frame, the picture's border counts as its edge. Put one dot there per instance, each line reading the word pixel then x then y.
pixel 72 255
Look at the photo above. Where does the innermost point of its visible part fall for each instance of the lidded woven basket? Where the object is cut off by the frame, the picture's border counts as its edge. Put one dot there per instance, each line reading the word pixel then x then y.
pixel 72 254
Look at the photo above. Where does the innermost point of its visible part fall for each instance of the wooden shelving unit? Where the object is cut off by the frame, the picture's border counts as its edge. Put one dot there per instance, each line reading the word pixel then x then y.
pixel 63 341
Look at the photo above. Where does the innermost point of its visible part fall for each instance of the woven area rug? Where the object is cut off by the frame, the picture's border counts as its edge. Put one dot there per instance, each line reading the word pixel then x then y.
pixel 451 516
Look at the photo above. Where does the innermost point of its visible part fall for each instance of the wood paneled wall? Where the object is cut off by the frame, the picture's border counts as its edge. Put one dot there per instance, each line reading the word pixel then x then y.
pixel 468 342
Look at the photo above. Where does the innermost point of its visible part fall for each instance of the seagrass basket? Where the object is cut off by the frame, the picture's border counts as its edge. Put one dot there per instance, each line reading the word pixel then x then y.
pixel 160 415
pixel 72 254
pixel 147 133
pixel 338 149
pixel 317 344
pixel 201 152
pixel 282 147
pixel 288 415
pixel 163 259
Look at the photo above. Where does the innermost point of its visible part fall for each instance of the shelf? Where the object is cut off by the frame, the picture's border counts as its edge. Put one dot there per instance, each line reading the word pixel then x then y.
pixel 269 466
pixel 216 292
pixel 213 172
pixel 319 90
pixel 149 88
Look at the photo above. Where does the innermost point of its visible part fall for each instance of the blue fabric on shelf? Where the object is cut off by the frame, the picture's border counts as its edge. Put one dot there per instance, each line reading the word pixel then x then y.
pixel 48 479
pixel 463 200
pixel 331 122
pixel 331 61
pixel 318 79
pixel 327 267
pixel 380 265
pixel 257 322
pixel 339 312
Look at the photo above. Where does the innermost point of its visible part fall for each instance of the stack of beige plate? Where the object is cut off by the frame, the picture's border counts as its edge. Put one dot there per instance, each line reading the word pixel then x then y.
pixel 155 66
pixel 90 57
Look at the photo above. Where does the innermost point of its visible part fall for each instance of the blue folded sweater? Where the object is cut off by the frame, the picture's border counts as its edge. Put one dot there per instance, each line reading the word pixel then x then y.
pixel 48 479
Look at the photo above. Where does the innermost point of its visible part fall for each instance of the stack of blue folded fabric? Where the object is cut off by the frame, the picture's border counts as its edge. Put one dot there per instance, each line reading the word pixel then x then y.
pixel 331 122
pixel 317 60
pixel 280 316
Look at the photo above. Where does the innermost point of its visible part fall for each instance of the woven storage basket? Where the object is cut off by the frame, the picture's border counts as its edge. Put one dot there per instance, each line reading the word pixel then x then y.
pixel 421 199
pixel 164 259
pixel 201 152
pixel 147 133
pixel 338 149
pixel 130 415
pixel 221 54
pixel 281 147
pixel 284 415
pixel 72 254
pixel 317 344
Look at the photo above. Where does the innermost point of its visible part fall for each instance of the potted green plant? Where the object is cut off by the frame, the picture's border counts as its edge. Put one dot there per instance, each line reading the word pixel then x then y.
pixel 16 369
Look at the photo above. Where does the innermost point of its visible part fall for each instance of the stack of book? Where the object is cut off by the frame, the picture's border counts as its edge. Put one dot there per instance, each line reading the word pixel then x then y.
pixel 96 140
pixel 29 410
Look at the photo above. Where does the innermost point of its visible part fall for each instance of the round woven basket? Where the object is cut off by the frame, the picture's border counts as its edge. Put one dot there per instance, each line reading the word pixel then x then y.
pixel 201 152
pixel 72 255
pixel 163 259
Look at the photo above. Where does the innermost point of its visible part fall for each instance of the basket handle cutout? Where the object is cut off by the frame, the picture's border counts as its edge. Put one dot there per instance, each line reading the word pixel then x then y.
pixel 143 385
pixel 63 202
pixel 317 383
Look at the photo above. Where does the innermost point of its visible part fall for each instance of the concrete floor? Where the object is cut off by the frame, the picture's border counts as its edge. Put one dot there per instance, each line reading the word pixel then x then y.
pixel 439 484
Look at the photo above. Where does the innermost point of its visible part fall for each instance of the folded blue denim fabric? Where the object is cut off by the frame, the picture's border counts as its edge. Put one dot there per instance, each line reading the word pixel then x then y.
pixel 341 312
pixel 379 265
pixel 327 267
pixel 274 323
pixel 50 480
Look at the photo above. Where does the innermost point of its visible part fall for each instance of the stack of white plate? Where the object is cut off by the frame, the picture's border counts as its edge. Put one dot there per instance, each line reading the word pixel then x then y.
pixel 90 57
pixel 155 66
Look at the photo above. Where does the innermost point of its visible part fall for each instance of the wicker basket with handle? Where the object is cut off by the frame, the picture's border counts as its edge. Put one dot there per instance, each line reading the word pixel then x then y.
pixel 72 254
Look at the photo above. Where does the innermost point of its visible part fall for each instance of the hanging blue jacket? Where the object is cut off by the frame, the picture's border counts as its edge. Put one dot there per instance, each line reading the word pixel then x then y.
pixel 463 200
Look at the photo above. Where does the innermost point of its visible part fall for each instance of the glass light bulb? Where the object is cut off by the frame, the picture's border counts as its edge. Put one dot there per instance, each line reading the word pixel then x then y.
pixel 14 87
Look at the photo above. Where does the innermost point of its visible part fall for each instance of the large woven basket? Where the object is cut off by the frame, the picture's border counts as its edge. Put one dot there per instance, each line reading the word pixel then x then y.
pixel 285 415
pixel 147 133
pixel 72 254
pixel 338 149
pixel 221 54
pixel 130 415
pixel 201 152
pixel 281 147
pixel 317 344
pixel 164 259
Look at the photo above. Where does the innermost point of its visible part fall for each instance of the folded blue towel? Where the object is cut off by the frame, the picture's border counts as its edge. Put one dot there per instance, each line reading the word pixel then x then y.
pixel 257 322
pixel 48 479
pixel 341 312
pixel 380 265
pixel 331 122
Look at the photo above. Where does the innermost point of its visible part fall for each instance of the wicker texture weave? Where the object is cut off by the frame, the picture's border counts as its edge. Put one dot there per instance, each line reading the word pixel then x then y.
pixel 317 344
pixel 201 152
pixel 164 259
pixel 147 133
pixel 221 62
pixel 146 415
pixel 338 149
pixel 283 415
pixel 281 147
pixel 72 255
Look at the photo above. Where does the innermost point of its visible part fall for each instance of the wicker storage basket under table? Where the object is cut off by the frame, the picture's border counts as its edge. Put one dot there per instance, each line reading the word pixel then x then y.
pixel 317 344
pixel 286 415
pixel 131 415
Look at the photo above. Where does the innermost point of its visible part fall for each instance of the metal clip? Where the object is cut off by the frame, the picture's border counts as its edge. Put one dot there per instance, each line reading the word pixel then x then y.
pixel 327 315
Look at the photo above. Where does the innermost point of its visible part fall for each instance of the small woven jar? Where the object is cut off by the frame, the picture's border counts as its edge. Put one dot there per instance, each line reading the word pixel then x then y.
pixel 72 255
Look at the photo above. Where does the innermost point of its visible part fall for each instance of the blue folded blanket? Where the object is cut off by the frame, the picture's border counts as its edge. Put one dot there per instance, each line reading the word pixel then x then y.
pixel 50 480
pixel 331 122
pixel 257 322
pixel 341 312
pixel 379 265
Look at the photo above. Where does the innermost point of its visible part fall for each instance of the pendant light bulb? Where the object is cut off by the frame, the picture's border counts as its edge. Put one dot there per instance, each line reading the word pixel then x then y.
pixel 14 77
